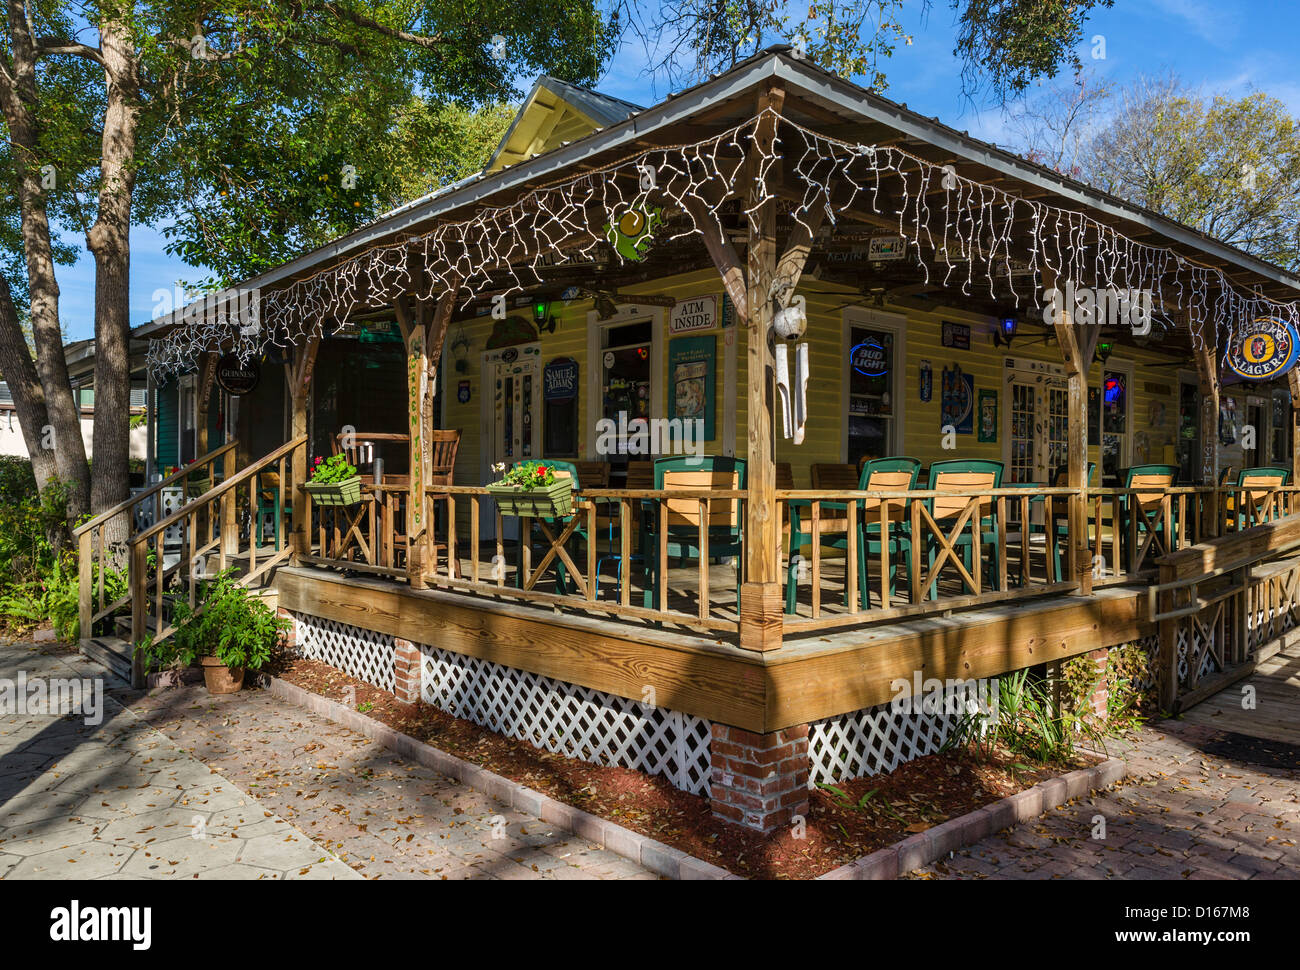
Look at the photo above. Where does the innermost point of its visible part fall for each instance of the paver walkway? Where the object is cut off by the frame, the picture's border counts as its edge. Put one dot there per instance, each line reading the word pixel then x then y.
pixel 117 800
pixel 281 793
pixel 386 817
pixel 1206 803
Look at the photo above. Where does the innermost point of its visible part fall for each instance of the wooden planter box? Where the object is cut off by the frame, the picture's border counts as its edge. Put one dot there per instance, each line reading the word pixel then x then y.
pixel 346 492
pixel 547 502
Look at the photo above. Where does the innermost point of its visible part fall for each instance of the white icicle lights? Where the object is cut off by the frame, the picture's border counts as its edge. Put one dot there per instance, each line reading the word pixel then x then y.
pixel 973 233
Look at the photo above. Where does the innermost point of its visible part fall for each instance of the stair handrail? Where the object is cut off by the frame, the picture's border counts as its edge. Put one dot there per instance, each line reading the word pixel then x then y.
pixel 213 494
pixel 182 475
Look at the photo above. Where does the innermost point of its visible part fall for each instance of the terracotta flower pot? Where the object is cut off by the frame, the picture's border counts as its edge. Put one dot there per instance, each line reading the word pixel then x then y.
pixel 219 678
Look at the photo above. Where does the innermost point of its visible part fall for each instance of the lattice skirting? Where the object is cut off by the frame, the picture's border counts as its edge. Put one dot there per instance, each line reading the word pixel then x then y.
pixel 879 739
pixel 577 722
pixel 364 654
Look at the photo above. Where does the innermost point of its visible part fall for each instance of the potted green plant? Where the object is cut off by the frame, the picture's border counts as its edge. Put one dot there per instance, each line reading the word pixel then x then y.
pixel 334 481
pixel 229 632
pixel 531 488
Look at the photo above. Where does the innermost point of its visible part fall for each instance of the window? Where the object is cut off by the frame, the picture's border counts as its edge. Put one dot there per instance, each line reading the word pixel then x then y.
pixel 872 393
pixel 1114 422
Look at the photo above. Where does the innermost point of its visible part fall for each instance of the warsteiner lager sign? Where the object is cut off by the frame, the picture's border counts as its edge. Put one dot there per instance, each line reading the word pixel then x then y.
pixel 1263 349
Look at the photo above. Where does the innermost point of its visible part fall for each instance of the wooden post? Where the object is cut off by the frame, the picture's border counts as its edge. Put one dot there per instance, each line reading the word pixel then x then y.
pixel 85 584
pixel 760 594
pixel 1293 383
pixel 1074 344
pixel 1208 370
pixel 229 522
pixel 299 375
pixel 202 400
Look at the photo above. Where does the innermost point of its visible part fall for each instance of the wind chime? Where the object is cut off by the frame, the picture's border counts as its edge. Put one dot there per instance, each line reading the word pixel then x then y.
pixel 789 324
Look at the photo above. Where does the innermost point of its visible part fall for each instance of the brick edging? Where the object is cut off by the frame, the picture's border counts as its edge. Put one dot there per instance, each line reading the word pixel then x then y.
pixel 645 851
pixel 934 843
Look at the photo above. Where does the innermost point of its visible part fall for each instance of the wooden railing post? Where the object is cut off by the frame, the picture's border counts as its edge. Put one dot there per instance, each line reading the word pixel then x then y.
pixel 1076 345
pixel 137 579
pixel 1168 632
pixel 229 520
pixel 85 584
pixel 299 375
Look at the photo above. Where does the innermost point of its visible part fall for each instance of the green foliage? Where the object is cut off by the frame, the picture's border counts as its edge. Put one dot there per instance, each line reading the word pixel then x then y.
pixel 1229 167
pixel 1026 724
pixel 1003 45
pixel 526 475
pixel 1127 701
pixel 333 469
pixel 230 623
pixel 33 527
pixel 53 595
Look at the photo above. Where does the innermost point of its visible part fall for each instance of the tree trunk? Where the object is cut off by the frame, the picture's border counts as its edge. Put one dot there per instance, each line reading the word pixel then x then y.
pixel 109 241
pixel 19 372
pixel 18 95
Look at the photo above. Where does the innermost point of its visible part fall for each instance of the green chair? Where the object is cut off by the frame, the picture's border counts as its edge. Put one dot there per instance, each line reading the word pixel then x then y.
pixel 967 475
pixel 882 474
pixel 1139 507
pixel 1261 482
pixel 268 505
pixel 682 541
pixel 562 469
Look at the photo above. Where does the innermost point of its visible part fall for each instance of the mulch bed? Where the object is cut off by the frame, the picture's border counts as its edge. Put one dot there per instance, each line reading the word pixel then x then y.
pixel 873 813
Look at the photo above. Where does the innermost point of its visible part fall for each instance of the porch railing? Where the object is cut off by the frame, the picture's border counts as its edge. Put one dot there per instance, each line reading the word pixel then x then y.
pixel 984 546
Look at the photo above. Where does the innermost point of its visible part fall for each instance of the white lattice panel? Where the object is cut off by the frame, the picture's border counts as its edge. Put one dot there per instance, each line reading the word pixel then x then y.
pixel 881 738
pixel 364 654
pixel 577 722
pixel 1151 676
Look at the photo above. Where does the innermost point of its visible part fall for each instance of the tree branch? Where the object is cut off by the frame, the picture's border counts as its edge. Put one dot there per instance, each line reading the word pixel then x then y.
pixel 51 46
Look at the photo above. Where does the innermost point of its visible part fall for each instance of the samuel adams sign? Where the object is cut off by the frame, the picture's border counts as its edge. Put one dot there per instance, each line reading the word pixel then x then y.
pixel 236 378
pixel 1263 349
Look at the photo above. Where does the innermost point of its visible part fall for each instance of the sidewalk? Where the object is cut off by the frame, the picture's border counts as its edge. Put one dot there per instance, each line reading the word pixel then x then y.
pixel 1207 804
pixel 273 791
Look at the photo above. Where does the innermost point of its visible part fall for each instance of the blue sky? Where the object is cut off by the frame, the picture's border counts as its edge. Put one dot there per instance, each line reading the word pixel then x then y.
pixel 1220 46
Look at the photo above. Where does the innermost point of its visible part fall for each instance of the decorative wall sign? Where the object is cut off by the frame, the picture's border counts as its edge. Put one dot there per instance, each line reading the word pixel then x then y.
pixel 692 373
pixel 927 381
pixel 957 400
pixel 462 392
pixel 728 312
pixel 988 415
pixel 882 248
pixel 632 233
pixel 688 316
pixel 1094 417
pixel 560 379
pixel 238 378
pixel 956 335
pixel 1263 349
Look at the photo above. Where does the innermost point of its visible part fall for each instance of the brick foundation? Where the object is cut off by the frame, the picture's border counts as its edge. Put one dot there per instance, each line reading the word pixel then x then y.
pixel 406 671
pixel 1098 702
pixel 759 780
pixel 289 640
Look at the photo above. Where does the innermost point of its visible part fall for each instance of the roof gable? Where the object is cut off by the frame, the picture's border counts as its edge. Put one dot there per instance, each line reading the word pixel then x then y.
pixel 554 113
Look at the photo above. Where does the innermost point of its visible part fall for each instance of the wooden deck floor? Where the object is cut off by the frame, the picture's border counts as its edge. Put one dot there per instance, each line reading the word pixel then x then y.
pixel 1276 715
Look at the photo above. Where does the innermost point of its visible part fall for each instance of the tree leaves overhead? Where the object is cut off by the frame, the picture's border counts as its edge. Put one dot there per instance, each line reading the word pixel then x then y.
pixel 1003 44
pixel 1229 167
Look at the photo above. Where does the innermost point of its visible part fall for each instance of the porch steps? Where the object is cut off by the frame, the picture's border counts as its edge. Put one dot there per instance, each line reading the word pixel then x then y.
pixel 111 653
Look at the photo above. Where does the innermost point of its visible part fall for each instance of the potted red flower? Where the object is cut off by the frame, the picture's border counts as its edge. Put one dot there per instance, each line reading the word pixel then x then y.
pixel 532 489
pixel 334 482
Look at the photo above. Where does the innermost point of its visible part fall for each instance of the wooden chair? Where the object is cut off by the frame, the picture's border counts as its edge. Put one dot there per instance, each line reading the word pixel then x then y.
pixel 682 538
pixel 885 474
pixel 1255 489
pixel 1139 508
pixel 963 475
